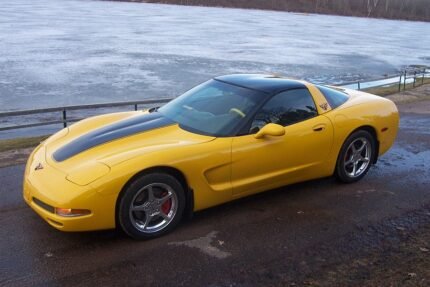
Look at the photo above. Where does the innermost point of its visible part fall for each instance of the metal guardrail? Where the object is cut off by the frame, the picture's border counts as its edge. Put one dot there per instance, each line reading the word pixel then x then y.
pixel 402 80
pixel 64 110
pixel 414 77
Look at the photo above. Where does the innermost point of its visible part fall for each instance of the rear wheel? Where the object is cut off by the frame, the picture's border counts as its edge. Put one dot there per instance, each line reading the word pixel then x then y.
pixel 356 157
pixel 151 206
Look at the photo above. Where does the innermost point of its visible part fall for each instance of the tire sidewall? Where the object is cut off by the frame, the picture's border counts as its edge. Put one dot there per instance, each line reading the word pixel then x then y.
pixel 340 171
pixel 129 193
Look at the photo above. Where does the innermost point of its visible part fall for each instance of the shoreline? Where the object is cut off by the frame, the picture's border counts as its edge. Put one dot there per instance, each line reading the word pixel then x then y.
pixel 297 10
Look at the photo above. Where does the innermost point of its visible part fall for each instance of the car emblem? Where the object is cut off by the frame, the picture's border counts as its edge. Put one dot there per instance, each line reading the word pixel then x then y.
pixel 39 166
pixel 324 106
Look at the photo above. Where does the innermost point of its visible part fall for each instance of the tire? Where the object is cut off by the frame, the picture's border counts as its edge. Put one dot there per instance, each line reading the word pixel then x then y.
pixel 353 164
pixel 151 206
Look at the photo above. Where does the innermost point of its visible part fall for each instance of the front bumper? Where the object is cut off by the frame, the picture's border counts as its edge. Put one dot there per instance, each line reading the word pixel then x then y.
pixel 47 188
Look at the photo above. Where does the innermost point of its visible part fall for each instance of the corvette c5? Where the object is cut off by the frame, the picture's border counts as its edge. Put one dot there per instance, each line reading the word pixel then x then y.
pixel 227 138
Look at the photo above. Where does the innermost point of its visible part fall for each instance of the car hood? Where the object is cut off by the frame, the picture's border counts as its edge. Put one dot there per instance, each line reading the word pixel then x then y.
pixel 114 138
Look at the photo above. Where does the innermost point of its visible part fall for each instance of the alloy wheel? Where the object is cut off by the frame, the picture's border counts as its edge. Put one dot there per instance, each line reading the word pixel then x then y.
pixel 153 207
pixel 357 157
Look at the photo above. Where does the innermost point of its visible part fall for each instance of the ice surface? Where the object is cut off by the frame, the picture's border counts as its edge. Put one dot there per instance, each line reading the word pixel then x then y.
pixel 63 52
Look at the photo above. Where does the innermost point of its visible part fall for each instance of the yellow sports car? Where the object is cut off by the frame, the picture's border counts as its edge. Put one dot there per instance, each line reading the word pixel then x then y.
pixel 227 138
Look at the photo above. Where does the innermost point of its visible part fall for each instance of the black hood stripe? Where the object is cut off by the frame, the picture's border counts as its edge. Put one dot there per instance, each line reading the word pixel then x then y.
pixel 111 132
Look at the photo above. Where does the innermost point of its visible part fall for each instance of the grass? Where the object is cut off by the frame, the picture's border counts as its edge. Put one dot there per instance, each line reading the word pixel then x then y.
pixel 20 143
pixel 394 88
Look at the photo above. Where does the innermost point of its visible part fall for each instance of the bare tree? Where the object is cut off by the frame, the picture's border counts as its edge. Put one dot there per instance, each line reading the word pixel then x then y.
pixel 393 9
pixel 371 5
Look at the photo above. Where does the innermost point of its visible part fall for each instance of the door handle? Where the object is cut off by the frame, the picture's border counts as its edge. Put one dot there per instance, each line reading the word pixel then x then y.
pixel 319 128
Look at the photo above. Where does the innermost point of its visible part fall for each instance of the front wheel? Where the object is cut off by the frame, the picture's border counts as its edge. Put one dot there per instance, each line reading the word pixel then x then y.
pixel 355 157
pixel 151 206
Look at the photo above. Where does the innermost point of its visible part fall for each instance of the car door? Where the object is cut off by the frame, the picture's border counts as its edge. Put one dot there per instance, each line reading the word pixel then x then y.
pixel 273 161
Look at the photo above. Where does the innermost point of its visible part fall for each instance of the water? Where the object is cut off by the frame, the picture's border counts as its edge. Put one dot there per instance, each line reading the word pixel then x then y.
pixel 64 52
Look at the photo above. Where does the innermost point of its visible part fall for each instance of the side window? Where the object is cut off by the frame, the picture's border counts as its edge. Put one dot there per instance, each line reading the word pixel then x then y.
pixel 285 108
pixel 334 98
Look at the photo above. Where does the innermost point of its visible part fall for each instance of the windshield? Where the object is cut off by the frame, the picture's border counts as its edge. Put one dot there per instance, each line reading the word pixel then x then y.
pixel 213 108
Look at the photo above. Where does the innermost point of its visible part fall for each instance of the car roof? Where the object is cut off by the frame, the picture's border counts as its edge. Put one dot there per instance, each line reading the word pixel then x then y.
pixel 266 83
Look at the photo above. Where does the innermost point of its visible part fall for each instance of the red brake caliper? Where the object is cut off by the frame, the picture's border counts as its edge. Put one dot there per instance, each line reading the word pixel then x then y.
pixel 165 208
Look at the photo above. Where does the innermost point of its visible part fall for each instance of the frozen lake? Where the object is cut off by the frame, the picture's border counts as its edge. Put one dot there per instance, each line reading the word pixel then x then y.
pixel 63 52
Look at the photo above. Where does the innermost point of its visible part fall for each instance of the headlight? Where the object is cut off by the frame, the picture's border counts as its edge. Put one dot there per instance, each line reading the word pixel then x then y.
pixel 58 135
pixel 87 173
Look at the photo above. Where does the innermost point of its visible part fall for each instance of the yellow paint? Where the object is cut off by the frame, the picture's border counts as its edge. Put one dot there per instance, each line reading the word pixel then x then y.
pixel 320 102
pixel 273 161
pixel 216 169
pixel 270 130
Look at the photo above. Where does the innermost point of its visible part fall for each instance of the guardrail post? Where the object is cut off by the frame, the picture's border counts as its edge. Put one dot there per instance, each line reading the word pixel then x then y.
pixel 64 118
pixel 400 82
pixel 358 84
pixel 404 82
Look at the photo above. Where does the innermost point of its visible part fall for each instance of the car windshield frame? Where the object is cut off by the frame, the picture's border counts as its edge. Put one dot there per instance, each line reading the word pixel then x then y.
pixel 214 108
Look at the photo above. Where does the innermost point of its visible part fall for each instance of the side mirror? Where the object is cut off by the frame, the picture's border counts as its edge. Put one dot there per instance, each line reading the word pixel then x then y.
pixel 270 130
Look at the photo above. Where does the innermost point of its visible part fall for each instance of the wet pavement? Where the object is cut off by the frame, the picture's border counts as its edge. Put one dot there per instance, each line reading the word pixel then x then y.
pixel 321 233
